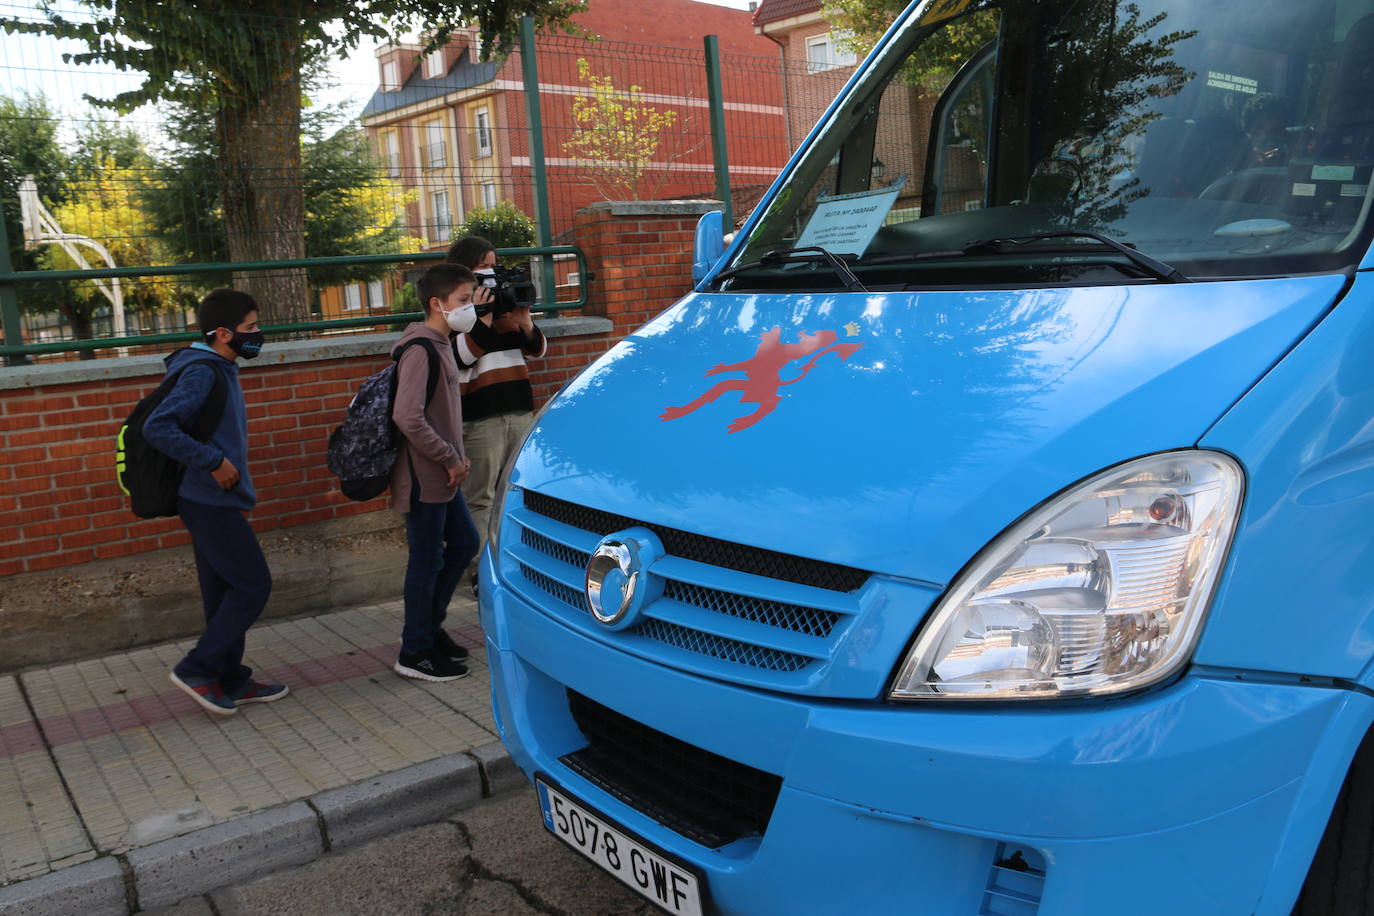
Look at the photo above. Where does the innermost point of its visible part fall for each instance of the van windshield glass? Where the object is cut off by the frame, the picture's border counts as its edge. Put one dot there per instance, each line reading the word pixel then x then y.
pixel 1223 138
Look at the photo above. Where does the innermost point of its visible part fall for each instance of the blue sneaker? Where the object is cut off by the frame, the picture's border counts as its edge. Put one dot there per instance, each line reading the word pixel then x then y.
pixel 208 693
pixel 255 692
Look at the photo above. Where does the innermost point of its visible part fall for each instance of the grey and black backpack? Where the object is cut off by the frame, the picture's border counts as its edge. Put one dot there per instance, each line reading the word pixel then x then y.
pixel 362 449
pixel 148 477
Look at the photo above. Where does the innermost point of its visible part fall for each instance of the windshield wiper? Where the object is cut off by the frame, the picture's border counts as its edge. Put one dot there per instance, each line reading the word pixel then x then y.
pixel 1152 266
pixel 811 253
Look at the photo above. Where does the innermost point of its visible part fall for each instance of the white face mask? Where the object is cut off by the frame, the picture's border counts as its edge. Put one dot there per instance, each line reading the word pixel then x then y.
pixel 462 318
pixel 486 276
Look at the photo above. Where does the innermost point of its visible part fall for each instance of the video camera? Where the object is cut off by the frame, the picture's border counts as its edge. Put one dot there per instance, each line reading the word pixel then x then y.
pixel 510 287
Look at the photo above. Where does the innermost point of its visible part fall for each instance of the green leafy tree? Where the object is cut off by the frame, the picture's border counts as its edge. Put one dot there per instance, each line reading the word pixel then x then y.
pixel 90 191
pixel 102 144
pixel 351 207
pixel 243 68
pixel 181 194
pixel 860 23
pixel 29 146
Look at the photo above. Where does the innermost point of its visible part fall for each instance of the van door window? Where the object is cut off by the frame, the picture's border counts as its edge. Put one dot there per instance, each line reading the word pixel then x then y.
pixel 959 147
pixel 1226 138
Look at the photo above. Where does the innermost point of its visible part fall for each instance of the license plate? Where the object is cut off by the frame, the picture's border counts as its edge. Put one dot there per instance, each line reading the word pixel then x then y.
pixel 657 877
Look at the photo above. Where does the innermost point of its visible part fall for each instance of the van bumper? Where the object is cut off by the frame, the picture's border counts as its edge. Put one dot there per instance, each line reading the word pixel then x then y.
pixel 1207 796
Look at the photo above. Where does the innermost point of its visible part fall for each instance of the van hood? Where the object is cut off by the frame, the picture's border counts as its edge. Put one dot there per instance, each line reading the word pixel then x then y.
pixel 900 432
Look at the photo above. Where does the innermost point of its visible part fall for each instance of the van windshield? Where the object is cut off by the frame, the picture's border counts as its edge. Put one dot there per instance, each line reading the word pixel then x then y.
pixel 1222 138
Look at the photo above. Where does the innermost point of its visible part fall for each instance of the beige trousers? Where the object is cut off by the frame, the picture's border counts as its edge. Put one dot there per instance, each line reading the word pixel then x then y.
pixel 489 443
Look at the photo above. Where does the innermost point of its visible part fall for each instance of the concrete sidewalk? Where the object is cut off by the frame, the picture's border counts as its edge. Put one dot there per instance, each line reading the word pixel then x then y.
pixel 118 794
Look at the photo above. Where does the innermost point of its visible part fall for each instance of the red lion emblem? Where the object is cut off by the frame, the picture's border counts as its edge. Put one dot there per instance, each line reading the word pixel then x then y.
pixel 763 374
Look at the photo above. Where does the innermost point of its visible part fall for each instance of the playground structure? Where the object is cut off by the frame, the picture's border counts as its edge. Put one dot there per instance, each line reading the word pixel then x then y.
pixel 41 228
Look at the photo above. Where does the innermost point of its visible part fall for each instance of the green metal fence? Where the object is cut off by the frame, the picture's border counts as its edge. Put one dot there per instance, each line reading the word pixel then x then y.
pixel 15 352
pixel 442 136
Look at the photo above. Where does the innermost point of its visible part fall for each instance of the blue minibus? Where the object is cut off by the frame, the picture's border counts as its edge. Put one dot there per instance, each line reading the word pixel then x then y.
pixel 991 529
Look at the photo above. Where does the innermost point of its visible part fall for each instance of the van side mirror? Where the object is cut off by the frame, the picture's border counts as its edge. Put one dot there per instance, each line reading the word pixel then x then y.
pixel 710 244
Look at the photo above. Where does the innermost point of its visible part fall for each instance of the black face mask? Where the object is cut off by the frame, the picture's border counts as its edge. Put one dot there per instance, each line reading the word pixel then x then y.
pixel 247 344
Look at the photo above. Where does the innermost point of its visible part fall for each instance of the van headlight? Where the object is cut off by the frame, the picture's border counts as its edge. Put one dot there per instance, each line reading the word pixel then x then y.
pixel 1100 590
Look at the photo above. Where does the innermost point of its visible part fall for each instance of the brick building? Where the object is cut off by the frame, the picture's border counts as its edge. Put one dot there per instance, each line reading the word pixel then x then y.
pixel 453 130
pixel 815 64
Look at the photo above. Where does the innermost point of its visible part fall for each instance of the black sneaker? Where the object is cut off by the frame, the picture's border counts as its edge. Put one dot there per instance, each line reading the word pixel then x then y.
pixel 429 666
pixel 445 645
pixel 475 595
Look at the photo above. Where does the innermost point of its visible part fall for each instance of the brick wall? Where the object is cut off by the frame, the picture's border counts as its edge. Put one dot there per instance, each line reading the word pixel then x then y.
pixel 79 573
pixel 641 253
pixel 566 357
pixel 60 505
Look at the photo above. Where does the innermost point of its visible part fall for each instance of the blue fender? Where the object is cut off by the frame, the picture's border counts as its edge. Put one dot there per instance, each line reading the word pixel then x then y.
pixel 1299 595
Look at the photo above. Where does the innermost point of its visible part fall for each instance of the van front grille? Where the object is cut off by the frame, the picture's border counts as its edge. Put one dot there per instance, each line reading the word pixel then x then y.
pixel 713 552
pixel 756 637
pixel 566 594
pixel 721 647
pixel 705 797
pixel 556 550
pixel 811 621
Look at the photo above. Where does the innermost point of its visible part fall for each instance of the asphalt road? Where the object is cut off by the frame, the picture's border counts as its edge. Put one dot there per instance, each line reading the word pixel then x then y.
pixel 495 859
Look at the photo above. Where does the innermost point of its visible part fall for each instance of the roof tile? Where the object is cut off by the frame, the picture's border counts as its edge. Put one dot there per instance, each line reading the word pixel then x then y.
pixel 773 10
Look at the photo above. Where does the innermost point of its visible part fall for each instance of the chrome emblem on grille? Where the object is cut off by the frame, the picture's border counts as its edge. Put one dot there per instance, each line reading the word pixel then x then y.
pixel 618 582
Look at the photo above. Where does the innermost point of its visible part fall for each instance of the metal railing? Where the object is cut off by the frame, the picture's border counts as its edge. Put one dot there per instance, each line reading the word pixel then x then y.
pixel 16 353
pixel 732 121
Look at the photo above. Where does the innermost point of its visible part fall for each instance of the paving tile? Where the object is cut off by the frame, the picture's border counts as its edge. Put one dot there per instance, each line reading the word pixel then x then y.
pixel 136 751
pixel 13 710
pixel 38 825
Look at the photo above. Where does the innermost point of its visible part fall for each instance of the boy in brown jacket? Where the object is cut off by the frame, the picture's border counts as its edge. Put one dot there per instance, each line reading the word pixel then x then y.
pixel 428 471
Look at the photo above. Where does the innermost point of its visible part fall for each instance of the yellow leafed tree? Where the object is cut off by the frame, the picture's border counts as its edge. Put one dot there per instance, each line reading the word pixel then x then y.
pixel 616 135
pixel 104 206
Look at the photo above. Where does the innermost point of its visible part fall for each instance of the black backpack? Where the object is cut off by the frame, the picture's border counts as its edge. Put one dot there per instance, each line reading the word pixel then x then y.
pixel 150 478
pixel 363 449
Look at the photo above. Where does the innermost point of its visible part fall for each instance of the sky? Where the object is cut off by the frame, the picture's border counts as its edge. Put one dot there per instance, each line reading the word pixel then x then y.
pixel 31 63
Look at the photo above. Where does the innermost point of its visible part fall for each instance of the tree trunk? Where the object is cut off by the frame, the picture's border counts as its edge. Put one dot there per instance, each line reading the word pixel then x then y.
pixel 261 189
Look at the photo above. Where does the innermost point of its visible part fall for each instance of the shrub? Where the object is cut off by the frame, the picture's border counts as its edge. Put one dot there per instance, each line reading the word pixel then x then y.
pixel 503 225
pixel 406 299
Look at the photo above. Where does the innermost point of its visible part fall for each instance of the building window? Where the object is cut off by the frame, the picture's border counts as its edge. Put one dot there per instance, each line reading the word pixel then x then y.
pixel 434 63
pixel 443 216
pixel 391 76
pixel 823 53
pixel 375 297
pixel 353 297
pixel 392 153
pixel 489 197
pixel 436 156
pixel 482 120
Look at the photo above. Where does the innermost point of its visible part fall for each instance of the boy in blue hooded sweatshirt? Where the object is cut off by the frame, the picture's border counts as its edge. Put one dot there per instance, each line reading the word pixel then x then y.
pixel 216 491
